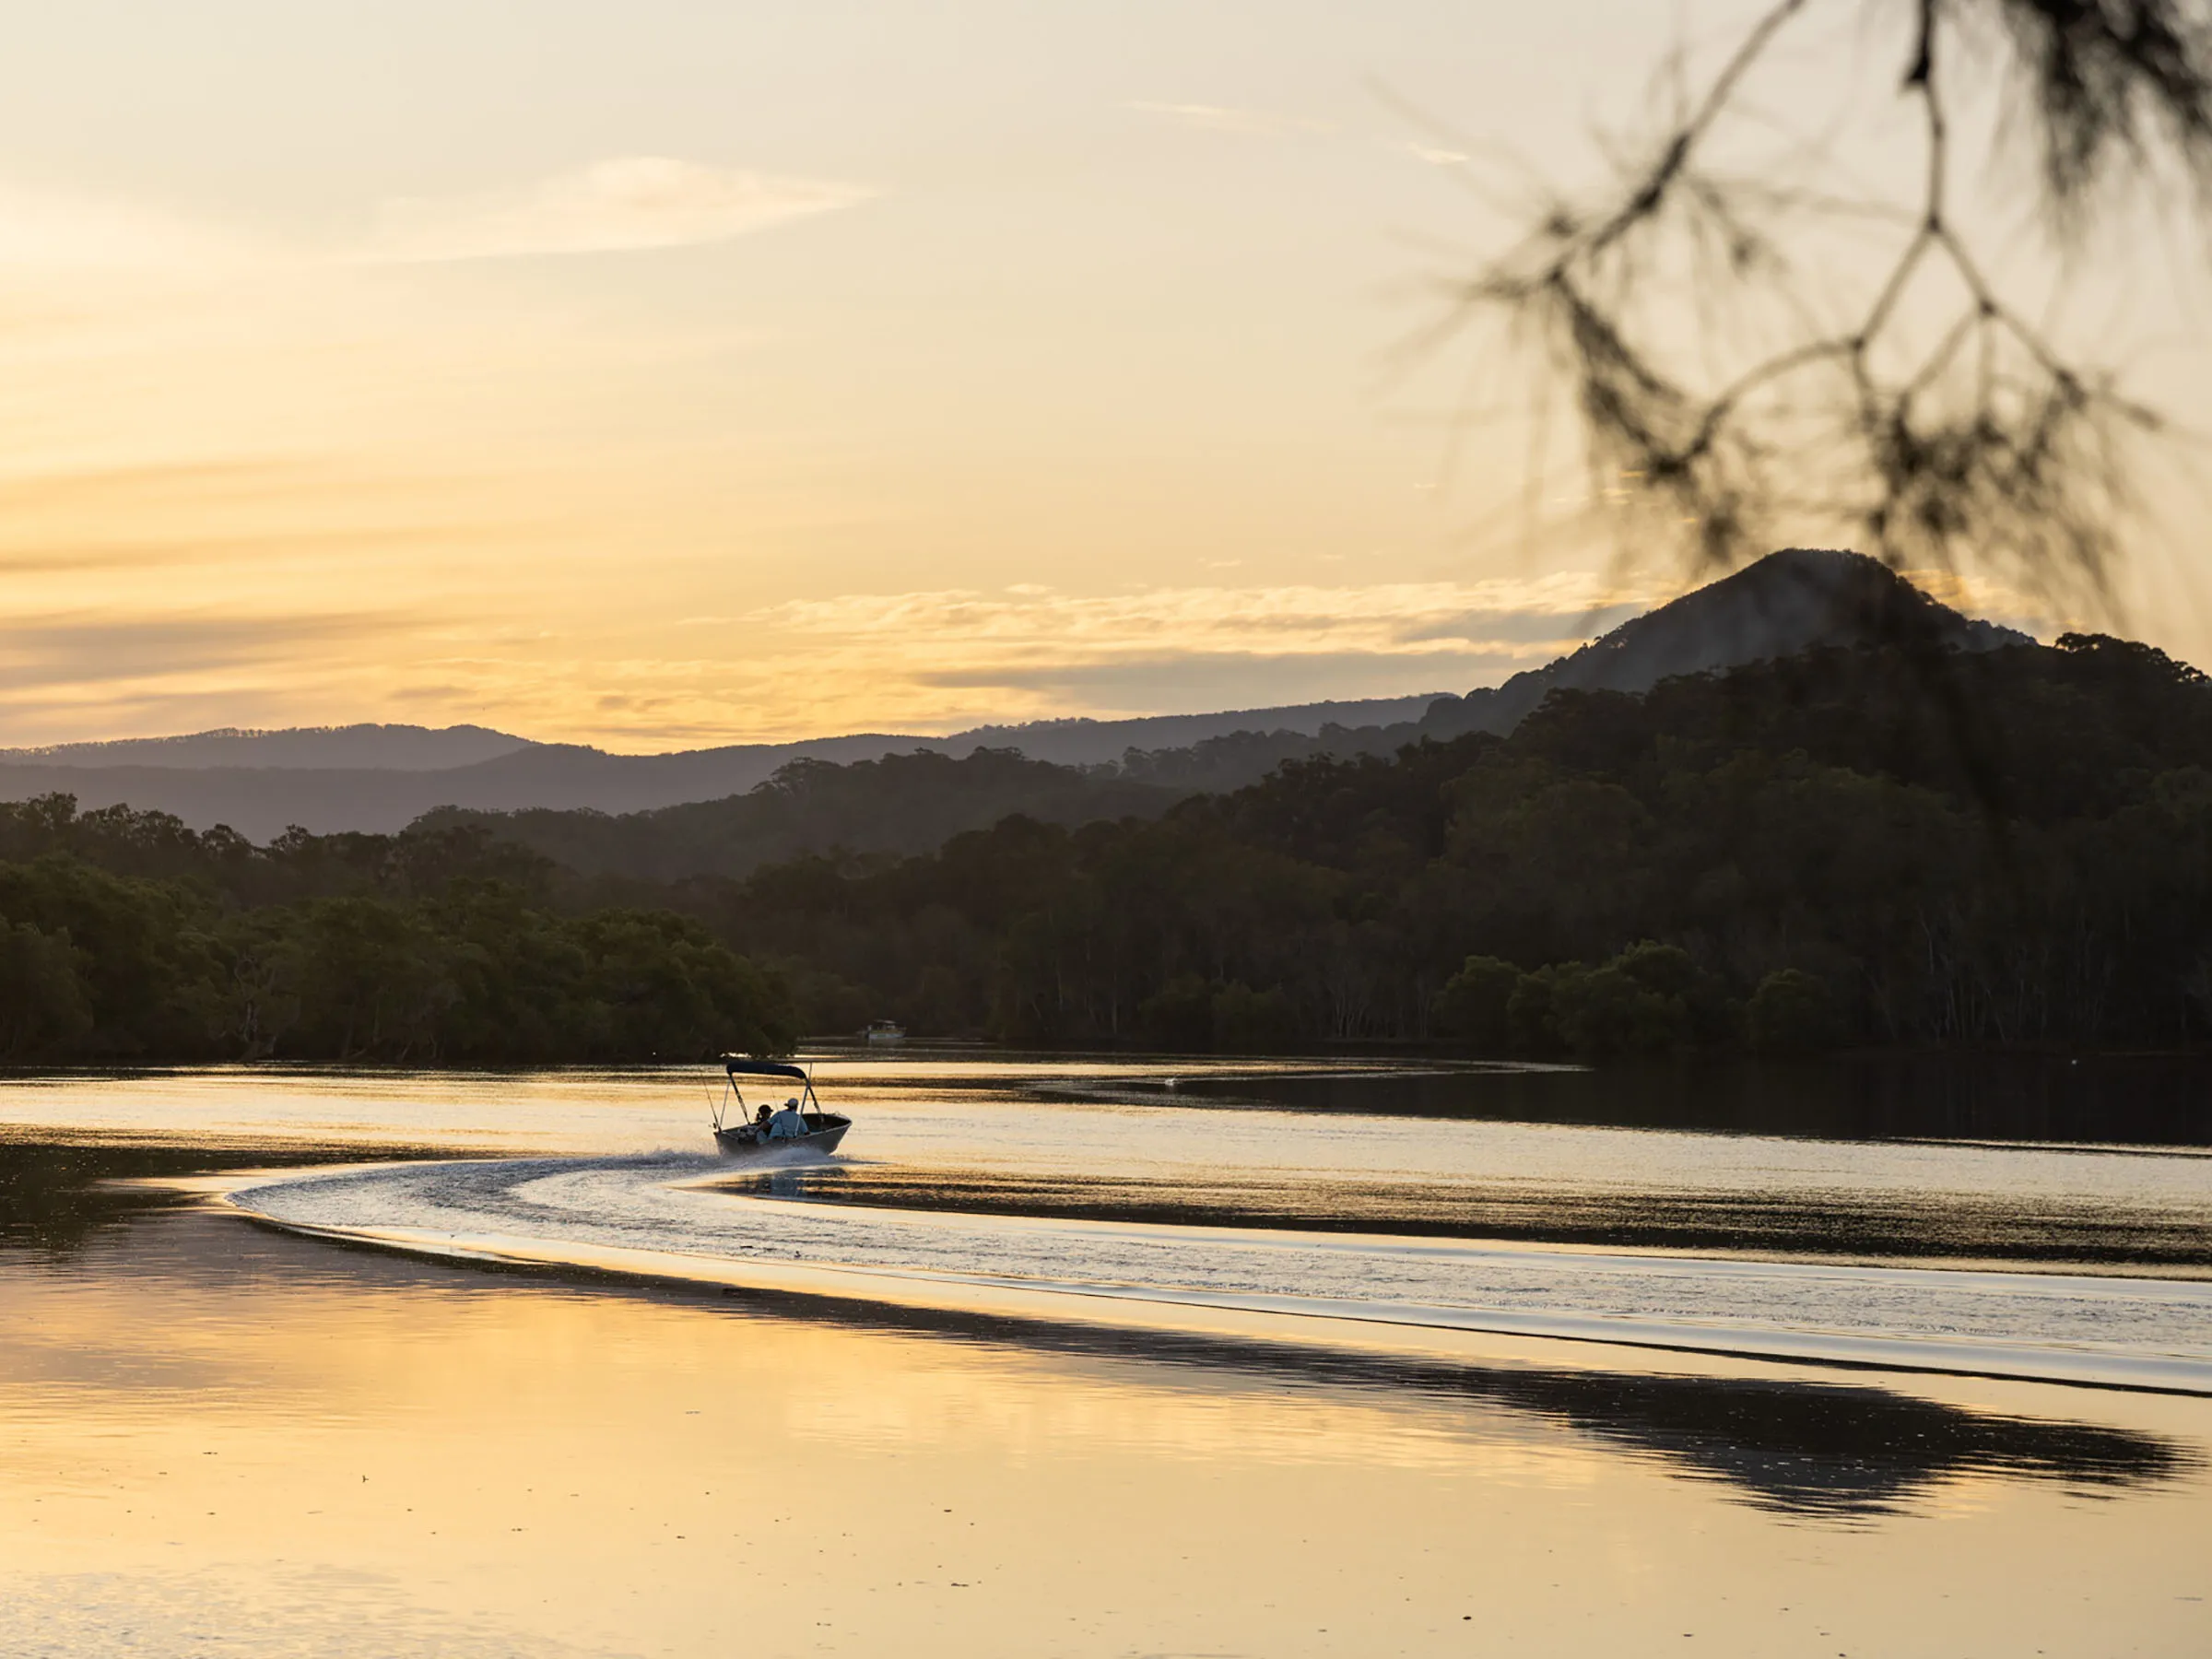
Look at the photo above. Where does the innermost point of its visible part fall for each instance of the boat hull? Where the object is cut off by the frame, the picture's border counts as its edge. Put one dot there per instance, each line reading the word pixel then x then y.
pixel 744 1142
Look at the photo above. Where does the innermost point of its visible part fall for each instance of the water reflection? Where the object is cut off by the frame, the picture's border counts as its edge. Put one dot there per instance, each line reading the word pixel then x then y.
pixel 1810 1449
pixel 55 1196
pixel 2162 1100
pixel 49 1201
pixel 1807 1449
pixel 2092 1232
pixel 213 1436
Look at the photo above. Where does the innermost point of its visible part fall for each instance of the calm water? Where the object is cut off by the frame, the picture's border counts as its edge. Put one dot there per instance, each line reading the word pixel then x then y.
pixel 1089 1359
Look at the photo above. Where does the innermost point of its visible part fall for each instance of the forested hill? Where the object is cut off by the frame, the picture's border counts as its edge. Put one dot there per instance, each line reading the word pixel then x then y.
pixel 1896 845
pixel 900 804
pixel 1881 846
pixel 1791 602
pixel 1783 605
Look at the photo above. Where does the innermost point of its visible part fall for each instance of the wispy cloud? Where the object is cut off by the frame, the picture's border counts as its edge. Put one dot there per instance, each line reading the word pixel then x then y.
pixel 42 231
pixel 94 674
pixel 1413 618
pixel 628 201
pixel 1434 154
pixel 1225 118
pixel 634 201
pixel 72 649
pixel 1043 652
pixel 1996 601
pixel 949 659
pixel 937 661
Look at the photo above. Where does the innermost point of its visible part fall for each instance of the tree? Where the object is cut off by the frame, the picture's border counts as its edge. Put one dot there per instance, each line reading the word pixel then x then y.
pixel 1683 308
pixel 1474 1003
pixel 1604 1012
pixel 373 979
pixel 42 1005
pixel 1791 1013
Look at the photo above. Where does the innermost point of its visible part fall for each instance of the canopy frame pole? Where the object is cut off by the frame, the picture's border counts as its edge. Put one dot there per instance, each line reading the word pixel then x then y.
pixel 722 1107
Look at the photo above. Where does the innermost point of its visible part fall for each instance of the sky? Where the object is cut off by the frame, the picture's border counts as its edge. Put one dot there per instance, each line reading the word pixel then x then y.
pixel 665 374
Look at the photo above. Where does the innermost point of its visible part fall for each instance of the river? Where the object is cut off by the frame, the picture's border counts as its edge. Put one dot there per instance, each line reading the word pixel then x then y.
pixel 1107 1356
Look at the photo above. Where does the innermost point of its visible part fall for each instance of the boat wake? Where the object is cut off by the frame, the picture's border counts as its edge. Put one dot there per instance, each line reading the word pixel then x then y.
pixel 659 1215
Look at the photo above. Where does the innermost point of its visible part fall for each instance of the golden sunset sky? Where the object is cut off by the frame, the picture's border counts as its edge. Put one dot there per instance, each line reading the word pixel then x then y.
pixel 662 374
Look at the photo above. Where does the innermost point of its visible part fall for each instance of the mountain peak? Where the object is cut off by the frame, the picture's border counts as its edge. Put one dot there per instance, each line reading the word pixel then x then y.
pixel 1797 599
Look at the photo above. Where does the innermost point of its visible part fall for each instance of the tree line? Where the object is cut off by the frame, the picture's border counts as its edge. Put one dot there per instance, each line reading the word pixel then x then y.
pixel 127 935
pixel 1885 846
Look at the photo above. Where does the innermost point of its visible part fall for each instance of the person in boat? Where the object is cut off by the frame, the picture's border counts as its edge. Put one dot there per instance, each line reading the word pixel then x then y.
pixel 787 1122
pixel 761 1122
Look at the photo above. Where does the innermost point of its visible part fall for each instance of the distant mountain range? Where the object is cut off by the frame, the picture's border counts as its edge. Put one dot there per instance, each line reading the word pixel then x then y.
pixel 353 747
pixel 1079 742
pixel 383 777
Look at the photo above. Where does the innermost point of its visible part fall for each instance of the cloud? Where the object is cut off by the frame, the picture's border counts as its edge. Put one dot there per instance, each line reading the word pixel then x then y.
pixel 937 661
pixel 156 552
pixel 48 232
pixel 1509 630
pixel 629 202
pixel 1553 607
pixel 1222 118
pixel 1173 683
pixel 947 660
pixel 634 201
pixel 1435 154
pixel 87 674
pixel 1067 645
pixel 84 648
pixel 1996 601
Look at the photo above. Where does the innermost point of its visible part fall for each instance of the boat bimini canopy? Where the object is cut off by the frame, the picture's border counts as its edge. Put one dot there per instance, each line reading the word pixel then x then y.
pixel 735 1067
pixel 761 1068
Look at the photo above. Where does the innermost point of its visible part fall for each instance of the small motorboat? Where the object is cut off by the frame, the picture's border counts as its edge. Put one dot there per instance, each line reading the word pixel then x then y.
pixel 801 1126
pixel 883 1030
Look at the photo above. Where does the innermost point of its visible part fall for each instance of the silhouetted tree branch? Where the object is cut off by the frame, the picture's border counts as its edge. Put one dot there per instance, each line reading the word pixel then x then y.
pixel 1938 420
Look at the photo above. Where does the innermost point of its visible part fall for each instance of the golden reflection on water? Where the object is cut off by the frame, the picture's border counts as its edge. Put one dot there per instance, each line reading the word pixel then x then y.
pixel 216 1439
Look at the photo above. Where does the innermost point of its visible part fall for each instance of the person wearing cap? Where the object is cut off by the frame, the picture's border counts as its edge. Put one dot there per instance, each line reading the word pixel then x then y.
pixel 787 1122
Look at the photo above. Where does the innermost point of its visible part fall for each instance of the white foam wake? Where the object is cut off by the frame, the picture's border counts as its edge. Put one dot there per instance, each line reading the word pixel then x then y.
pixel 652 1215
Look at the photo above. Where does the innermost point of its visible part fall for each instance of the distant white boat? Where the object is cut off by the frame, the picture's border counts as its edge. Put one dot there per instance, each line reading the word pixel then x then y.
pixel 884 1031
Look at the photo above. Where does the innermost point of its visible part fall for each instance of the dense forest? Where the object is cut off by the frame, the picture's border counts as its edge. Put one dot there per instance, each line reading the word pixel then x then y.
pixel 1866 846
pixel 125 935
pixel 909 803
pixel 1870 846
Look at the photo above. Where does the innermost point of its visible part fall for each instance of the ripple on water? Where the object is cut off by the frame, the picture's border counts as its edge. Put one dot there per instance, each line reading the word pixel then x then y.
pixel 660 1215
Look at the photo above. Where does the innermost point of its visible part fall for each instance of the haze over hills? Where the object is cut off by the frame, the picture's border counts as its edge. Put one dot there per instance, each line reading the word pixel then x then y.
pixel 1099 742
pixel 381 778
pixel 1074 742
pixel 373 747
pixel 898 803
